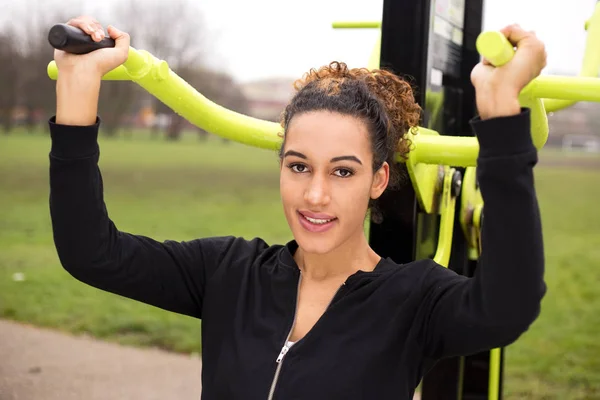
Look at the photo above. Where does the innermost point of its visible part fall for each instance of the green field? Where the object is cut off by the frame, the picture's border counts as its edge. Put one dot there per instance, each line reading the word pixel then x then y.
pixel 191 189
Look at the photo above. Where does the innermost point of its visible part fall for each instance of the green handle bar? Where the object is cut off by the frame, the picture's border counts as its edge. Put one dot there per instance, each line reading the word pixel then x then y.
pixel 158 79
pixel 496 48
pixel 551 93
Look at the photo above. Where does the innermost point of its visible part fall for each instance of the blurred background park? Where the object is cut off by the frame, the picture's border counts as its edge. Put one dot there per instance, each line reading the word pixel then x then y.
pixel 166 179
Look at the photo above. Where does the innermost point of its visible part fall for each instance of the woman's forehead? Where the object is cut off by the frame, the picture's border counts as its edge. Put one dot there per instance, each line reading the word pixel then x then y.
pixel 326 133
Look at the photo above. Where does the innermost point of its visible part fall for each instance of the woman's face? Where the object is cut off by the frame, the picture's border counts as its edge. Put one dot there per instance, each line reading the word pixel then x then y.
pixel 327 179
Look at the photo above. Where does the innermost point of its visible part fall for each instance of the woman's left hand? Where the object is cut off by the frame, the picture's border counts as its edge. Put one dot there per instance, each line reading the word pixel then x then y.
pixel 497 88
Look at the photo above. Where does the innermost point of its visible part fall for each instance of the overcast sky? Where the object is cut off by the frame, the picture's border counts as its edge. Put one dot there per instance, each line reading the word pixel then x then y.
pixel 264 38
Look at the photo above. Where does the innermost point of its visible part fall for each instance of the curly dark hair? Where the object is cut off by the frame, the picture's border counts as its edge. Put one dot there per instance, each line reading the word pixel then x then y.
pixel 384 101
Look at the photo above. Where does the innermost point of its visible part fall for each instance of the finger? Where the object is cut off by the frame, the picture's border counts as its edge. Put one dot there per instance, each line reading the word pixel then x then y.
pixel 81 24
pixel 122 40
pixel 98 32
pixel 545 58
pixel 86 24
pixel 485 61
pixel 479 72
pixel 95 27
pixel 515 34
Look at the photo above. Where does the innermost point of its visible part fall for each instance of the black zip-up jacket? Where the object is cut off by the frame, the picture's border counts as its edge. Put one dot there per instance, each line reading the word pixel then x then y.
pixel 383 329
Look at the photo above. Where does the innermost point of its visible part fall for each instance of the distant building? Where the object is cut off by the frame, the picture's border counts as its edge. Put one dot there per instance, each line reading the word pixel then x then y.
pixel 267 98
pixel 574 127
pixel 586 143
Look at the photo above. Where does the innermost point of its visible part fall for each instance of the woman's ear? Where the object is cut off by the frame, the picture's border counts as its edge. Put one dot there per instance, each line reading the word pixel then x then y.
pixel 381 179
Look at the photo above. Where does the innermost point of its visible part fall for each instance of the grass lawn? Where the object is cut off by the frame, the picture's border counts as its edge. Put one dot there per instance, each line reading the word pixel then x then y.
pixel 192 189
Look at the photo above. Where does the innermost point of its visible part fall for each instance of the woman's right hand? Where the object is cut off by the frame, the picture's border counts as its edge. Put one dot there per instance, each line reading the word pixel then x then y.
pixel 80 75
pixel 97 62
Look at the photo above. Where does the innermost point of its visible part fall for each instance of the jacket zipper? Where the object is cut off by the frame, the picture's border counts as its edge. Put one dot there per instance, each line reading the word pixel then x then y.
pixel 285 347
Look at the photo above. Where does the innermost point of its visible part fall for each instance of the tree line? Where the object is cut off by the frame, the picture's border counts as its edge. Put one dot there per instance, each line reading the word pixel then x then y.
pixel 170 30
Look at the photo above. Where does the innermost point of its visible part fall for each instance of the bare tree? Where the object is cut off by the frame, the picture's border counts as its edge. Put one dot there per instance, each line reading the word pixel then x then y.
pixel 36 89
pixel 25 82
pixel 170 30
pixel 116 102
pixel 25 54
pixel 9 63
pixel 28 27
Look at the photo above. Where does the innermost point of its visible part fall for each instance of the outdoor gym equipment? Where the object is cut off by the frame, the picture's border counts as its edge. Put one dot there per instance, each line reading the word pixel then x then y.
pixel 421 219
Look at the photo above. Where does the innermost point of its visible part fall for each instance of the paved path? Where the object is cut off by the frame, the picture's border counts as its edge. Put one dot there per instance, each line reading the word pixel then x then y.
pixel 41 364
pixel 46 365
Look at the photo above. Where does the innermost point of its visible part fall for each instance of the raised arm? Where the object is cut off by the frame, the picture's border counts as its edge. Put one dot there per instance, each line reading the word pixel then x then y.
pixel 492 309
pixel 170 275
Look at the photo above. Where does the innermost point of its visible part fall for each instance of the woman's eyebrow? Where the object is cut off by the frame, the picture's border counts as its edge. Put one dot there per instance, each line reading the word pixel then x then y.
pixel 334 159
pixel 350 158
pixel 294 153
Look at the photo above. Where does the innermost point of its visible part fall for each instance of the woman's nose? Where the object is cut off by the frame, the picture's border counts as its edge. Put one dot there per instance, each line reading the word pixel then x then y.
pixel 317 192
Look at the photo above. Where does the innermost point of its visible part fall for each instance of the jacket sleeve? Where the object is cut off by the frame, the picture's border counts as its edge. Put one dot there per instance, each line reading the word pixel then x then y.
pixel 503 298
pixel 170 275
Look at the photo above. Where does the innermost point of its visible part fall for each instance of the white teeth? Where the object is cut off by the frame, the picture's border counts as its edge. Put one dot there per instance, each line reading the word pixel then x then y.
pixel 318 221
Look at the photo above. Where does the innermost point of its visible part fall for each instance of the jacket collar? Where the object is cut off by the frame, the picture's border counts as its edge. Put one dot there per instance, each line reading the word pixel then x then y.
pixel 286 258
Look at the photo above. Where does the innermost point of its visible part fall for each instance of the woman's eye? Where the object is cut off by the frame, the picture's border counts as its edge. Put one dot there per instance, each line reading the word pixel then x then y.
pixel 298 168
pixel 343 173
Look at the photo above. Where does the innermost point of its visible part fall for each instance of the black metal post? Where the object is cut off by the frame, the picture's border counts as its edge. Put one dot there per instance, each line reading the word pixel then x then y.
pixel 432 42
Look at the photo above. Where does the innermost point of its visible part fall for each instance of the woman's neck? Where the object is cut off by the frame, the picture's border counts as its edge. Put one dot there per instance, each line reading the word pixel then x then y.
pixel 351 256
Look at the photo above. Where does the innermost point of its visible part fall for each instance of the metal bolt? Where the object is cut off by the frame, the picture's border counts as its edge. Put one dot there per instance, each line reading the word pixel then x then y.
pixel 456 183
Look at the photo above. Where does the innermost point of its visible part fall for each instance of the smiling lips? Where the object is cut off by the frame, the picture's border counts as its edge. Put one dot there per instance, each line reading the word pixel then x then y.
pixel 314 222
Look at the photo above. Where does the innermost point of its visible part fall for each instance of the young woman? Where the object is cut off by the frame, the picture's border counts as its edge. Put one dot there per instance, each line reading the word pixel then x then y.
pixel 323 316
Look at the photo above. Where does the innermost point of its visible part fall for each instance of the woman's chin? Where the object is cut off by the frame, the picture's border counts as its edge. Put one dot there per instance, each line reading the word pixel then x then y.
pixel 314 243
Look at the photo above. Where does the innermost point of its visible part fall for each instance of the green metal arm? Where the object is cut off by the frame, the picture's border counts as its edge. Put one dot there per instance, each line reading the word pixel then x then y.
pixel 375 56
pixel 356 24
pixel 447 209
pixel 158 79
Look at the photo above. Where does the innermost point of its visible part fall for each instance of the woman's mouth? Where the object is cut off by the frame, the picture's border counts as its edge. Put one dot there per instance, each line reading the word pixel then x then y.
pixel 316 222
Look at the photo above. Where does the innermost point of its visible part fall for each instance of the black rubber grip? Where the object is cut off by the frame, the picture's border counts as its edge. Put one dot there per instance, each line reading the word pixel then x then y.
pixel 73 40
